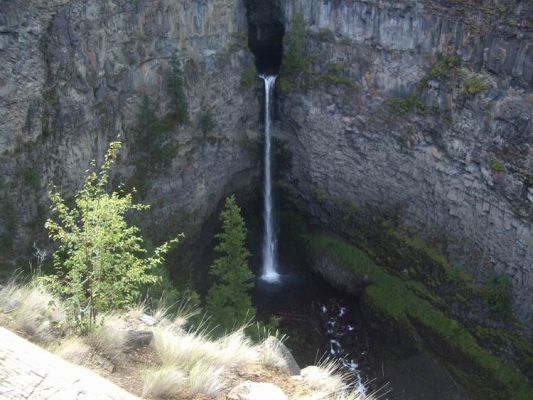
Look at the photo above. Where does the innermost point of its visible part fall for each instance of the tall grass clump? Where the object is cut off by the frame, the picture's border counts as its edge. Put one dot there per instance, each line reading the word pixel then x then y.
pixel 35 311
pixel 73 349
pixel 109 340
pixel 164 382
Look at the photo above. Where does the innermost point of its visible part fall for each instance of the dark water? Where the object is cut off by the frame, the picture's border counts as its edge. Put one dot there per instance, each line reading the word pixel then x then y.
pixel 321 322
pixel 324 322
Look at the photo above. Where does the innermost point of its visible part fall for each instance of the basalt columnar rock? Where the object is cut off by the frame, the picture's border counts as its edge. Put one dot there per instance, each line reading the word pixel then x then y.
pixel 73 76
pixel 421 109
pixel 420 112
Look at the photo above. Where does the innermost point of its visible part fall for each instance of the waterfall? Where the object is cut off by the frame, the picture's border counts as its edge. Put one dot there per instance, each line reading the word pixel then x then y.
pixel 270 266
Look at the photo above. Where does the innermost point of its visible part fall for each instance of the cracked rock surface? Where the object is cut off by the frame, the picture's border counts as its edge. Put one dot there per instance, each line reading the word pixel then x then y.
pixel 29 372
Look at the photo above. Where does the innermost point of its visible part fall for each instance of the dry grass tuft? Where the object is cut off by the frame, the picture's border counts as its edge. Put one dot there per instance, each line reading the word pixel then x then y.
pixel 204 361
pixel 74 350
pixel 182 350
pixel 235 350
pixel 325 378
pixel 164 382
pixel 34 310
pixel 109 340
pixel 205 380
pixel 270 355
pixel 185 349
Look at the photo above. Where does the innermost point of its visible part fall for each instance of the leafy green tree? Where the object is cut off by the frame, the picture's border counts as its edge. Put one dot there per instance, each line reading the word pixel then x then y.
pixel 177 91
pixel 228 301
pixel 101 262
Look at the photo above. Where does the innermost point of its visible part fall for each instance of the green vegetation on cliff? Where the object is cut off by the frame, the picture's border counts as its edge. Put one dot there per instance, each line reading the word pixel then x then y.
pixel 415 311
pixel 296 60
pixel 301 70
pixel 499 293
pixel 474 86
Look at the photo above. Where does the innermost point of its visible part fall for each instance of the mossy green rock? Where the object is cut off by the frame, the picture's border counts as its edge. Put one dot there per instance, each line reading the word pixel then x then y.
pixel 415 313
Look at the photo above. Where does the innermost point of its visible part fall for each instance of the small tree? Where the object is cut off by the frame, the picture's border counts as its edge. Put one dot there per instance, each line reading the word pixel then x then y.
pixel 101 261
pixel 228 300
pixel 177 91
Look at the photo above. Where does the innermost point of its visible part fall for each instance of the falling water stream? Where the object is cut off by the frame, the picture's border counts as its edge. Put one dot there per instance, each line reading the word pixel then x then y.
pixel 270 264
pixel 332 316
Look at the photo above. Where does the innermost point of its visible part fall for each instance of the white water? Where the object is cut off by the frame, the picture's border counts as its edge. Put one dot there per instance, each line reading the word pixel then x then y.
pixel 270 264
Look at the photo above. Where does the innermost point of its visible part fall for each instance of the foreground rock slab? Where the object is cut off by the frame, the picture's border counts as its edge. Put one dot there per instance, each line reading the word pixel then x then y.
pixel 256 391
pixel 30 372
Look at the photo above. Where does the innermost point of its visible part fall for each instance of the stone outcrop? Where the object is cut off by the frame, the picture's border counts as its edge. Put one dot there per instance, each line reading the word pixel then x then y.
pixel 442 143
pixel 29 372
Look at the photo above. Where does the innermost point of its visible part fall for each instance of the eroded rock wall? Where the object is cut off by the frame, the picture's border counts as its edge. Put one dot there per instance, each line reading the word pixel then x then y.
pixel 380 119
pixel 72 77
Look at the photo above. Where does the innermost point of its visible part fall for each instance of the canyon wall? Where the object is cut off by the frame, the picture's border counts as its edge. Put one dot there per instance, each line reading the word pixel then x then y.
pixel 73 76
pixel 418 109
pixel 421 110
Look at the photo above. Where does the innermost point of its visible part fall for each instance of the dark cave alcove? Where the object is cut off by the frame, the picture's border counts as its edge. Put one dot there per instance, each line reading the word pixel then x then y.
pixel 265 34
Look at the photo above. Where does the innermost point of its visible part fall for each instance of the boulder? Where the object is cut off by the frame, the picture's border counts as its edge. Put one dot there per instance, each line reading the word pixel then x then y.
pixel 137 339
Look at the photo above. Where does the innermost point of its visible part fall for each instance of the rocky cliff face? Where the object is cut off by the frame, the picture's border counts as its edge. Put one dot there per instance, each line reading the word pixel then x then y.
pixel 422 111
pixel 73 76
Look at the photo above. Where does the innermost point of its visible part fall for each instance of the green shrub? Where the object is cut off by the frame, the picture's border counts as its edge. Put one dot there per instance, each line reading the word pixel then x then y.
pixel 453 275
pixel 444 66
pixel 435 108
pixel 498 293
pixel 248 77
pixel 409 104
pixel 325 35
pixel 497 166
pixel 149 127
pixel 151 136
pixel 474 86
pixel 335 75
pixel 321 196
